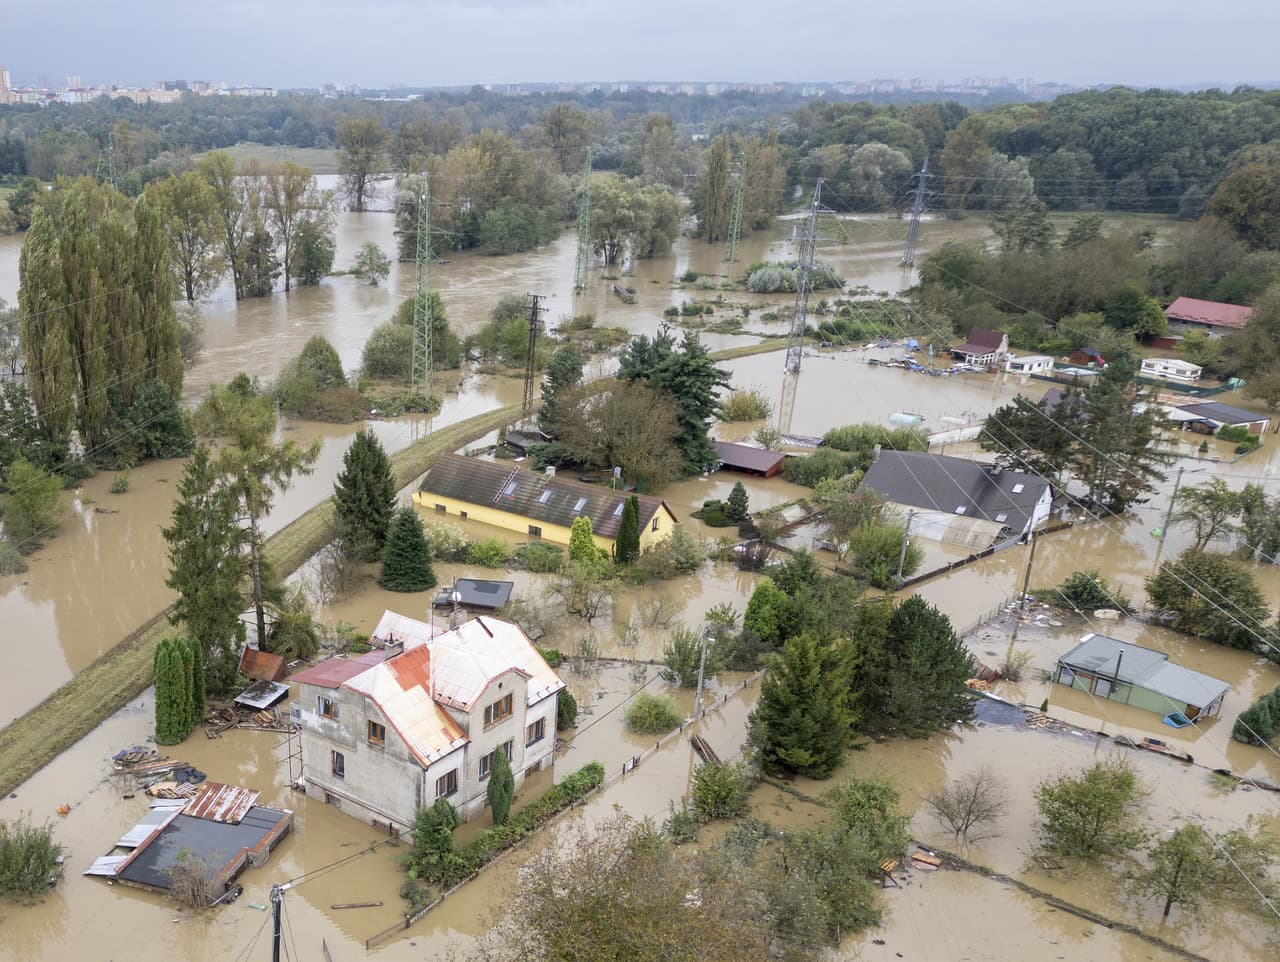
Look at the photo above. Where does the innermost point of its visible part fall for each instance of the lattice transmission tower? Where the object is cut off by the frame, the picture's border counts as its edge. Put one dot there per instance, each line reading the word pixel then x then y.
pixel 806 247
pixel 420 376
pixel 735 216
pixel 917 209
pixel 531 362
pixel 582 267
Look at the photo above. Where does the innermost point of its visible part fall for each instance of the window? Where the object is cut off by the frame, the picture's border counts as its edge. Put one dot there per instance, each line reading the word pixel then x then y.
pixel 440 509
pixel 328 709
pixel 544 497
pixel 535 531
pixel 1018 488
pixel 1102 686
pixel 655 522
pixel 447 784
pixel 617 512
pixel 1002 517
pixel 486 763
pixel 535 732
pixel 961 509
pixel 338 764
pixel 496 712
pixel 1066 676
pixel 510 490
pixel 377 733
pixel 582 503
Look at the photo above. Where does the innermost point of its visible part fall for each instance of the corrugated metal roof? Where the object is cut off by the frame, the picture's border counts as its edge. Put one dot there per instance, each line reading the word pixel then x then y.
pixel 155 819
pixel 411 632
pixel 220 844
pixel 1213 313
pixel 221 803
pixel 522 492
pixel 748 458
pixel 261 665
pixel 1185 686
pixel 334 672
pixel 1226 413
pixel 106 865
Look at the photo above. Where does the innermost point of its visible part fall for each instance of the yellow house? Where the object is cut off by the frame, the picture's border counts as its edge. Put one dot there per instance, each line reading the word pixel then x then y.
pixel 538 505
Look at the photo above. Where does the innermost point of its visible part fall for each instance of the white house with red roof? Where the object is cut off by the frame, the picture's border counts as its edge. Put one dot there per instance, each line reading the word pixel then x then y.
pixel 420 718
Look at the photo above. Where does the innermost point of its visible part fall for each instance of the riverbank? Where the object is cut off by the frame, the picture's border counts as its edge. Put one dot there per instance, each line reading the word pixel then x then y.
pixel 34 739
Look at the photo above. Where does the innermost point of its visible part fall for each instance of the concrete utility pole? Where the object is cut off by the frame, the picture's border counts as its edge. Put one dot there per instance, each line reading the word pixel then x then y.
pixel 277 900
pixel 917 209
pixel 702 667
pixel 1168 515
pixel 906 540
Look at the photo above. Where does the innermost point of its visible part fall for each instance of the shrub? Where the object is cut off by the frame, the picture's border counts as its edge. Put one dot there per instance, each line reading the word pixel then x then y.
pixel 720 790
pixel 552 656
pixel 11 562
pixel 371 265
pixel 682 655
pixel 861 439
pixel 193 882
pixel 650 714
pixel 541 557
pixel 1094 814
pixel 714 513
pixel 745 405
pixel 28 859
pixel 489 553
pixel 512 227
pixel 566 711
pixel 1241 436
pixel 1209 595
pixel 1088 591
pixel 388 353
pixel 1259 724
pixel 777 278
pixel 502 787
pixel 875 548
pixel 680 554
pixel 448 542
pixel 120 483
pixel 823 464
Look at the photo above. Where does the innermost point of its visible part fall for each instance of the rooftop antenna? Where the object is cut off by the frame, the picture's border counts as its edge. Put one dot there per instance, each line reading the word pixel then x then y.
pixel 917 208
pixel 455 600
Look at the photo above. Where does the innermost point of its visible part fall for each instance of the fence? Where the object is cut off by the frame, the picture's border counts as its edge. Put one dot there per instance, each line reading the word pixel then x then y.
pixel 629 765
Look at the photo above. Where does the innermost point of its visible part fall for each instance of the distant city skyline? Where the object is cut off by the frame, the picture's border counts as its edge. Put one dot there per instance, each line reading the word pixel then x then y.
pixel 449 43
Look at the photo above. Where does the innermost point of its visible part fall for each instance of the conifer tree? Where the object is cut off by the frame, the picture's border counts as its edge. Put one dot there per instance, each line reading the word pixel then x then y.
pixel 564 372
pixel 502 787
pixel 1260 722
pixel 406 559
pixel 582 545
pixel 739 507
pixel 801 722
pixel 182 649
pixel 364 497
pixel 205 569
pixel 173 694
pixel 196 654
pixel 626 547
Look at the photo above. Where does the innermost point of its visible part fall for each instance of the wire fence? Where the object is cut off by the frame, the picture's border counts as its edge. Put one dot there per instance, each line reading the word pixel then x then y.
pixel 629 765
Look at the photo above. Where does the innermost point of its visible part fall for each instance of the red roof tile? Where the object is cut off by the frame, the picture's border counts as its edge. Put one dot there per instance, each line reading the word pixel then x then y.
pixel 1213 313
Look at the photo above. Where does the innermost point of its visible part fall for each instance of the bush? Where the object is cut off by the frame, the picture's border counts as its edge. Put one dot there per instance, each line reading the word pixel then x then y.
pixel 1211 596
pixel 650 714
pixel 28 859
pixel 1095 814
pixel 720 790
pixel 489 553
pixel 714 513
pixel 745 405
pixel 371 265
pixel 541 557
pixel 1244 440
pixel 680 554
pixel 875 549
pixel 552 656
pixel 1259 724
pixel 120 483
pixel 448 542
pixel 512 227
pixel 779 278
pixel 32 509
pixel 193 882
pixel 861 439
pixel 682 655
pixel 566 711
pixel 1087 591
pixel 824 464
pixel 388 354
pixel 11 562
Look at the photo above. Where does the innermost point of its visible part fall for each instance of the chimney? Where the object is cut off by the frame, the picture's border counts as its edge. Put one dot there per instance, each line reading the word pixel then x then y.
pixel 550 470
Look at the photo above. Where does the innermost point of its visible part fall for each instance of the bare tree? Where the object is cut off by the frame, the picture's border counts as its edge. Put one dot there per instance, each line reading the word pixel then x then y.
pixel 971 804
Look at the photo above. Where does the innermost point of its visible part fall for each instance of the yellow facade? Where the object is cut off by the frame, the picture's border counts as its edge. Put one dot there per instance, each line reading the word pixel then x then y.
pixel 658 529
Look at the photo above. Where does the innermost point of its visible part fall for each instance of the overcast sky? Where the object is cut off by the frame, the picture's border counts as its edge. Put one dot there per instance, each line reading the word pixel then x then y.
pixel 297 43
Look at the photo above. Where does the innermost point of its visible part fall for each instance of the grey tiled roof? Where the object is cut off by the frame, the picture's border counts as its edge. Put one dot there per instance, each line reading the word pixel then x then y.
pixel 554 500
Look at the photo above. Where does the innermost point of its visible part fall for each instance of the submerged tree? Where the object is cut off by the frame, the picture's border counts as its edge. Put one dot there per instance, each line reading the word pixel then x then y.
pixel 1096 814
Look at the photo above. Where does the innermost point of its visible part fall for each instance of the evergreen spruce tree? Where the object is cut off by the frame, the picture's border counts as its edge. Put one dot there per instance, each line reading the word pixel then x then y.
pixel 582 545
pixel 801 722
pixel 564 372
pixel 173 695
pixel 626 547
pixel 1260 722
pixel 196 654
pixel 739 507
pixel 406 560
pixel 502 787
pixel 364 497
pixel 205 569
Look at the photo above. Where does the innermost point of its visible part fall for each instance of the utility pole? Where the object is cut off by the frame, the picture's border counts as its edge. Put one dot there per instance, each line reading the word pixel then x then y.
pixel 807 241
pixel 1168 515
pixel 1022 601
pixel 917 209
pixel 582 267
pixel 702 667
pixel 530 364
pixel 906 540
pixel 420 376
pixel 735 216
pixel 277 900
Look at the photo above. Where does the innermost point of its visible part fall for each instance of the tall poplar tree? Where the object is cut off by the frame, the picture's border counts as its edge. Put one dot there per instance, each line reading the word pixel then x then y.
pixel 713 194
pixel 230 211
pixel 206 568
pixel 364 497
pixel 173 693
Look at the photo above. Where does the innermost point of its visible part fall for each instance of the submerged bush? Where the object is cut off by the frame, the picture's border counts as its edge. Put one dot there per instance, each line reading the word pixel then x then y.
pixel 1087 591
pixel 745 405
pixel 28 859
pixel 652 714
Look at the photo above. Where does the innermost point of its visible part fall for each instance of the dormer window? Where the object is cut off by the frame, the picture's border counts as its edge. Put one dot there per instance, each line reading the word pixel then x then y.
pixel 1019 488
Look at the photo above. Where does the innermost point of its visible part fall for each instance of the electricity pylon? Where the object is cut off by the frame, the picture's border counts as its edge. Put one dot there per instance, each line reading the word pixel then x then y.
pixel 807 243
pixel 420 377
pixel 735 217
pixel 531 363
pixel 582 268
pixel 917 208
